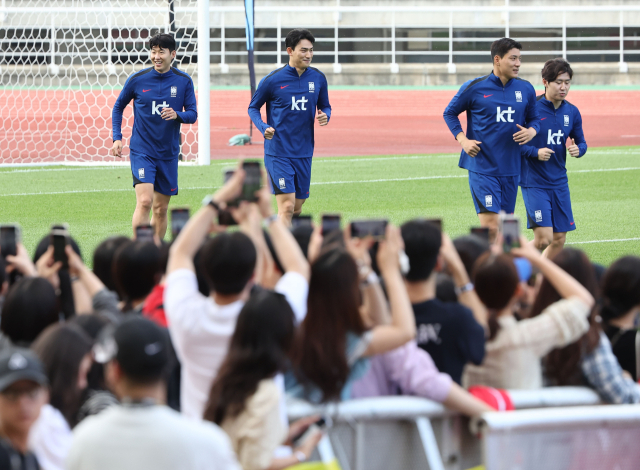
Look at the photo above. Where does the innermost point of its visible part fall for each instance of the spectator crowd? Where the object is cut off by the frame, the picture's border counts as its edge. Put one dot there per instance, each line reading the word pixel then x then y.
pixel 186 355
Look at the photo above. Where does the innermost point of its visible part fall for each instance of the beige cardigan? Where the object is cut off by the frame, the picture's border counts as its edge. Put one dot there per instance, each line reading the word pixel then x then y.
pixel 258 430
pixel 512 358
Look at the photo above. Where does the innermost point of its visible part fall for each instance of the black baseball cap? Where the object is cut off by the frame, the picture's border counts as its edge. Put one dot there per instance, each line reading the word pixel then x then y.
pixel 142 349
pixel 20 364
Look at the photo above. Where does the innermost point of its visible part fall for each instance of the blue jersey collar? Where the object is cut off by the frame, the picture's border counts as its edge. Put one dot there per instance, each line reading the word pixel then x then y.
pixel 294 71
pixel 498 82
pixel 550 105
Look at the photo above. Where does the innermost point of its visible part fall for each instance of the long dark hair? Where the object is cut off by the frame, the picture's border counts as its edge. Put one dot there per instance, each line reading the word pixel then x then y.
pixel 320 349
pixel 61 348
pixel 562 365
pixel 495 278
pixel 259 350
pixel 620 288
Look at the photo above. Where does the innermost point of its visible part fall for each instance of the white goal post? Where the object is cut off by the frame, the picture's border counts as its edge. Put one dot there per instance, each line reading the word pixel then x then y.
pixel 63 64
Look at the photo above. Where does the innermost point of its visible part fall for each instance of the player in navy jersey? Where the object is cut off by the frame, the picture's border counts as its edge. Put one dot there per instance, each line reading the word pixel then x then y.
pixel 501 117
pixel 544 182
pixel 292 95
pixel 163 99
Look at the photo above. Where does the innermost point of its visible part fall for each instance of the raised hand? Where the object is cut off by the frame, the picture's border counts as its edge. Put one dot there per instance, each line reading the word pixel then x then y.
pixel 524 135
pixel 268 133
pixel 572 148
pixel 322 118
pixel 544 154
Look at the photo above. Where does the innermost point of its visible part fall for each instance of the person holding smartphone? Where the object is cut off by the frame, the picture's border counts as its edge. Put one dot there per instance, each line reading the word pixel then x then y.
pixel 544 182
pixel 291 94
pixel 163 99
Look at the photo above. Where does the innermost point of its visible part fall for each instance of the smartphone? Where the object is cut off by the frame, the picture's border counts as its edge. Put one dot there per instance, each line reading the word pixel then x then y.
pixel 179 218
pixel 436 222
pixel 301 221
pixel 59 241
pixel 9 239
pixel 145 233
pixel 330 222
pixel 369 228
pixel 482 232
pixel 510 229
pixel 225 218
pixel 320 425
pixel 252 181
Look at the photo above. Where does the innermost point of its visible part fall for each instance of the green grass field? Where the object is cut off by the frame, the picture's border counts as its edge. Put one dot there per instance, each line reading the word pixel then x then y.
pixel 99 201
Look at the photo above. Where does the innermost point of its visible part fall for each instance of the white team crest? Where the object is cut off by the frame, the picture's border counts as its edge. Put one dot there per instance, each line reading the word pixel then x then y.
pixel 282 184
pixel 312 87
pixel 538 215
pixel 488 200
pixel 174 91
pixel 519 96
pixel 566 120
pixel 141 173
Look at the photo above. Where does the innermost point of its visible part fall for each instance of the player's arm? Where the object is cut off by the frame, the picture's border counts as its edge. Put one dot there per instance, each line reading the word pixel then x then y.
pixel 532 121
pixel 258 100
pixel 324 108
pixel 458 104
pixel 578 143
pixel 124 98
pixel 190 105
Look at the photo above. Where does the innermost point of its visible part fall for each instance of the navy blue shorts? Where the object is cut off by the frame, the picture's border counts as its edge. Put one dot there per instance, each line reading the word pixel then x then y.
pixel 549 208
pixel 288 175
pixel 163 174
pixel 493 193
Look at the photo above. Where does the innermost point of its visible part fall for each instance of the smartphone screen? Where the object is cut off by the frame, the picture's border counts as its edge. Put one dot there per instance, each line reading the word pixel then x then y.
pixel 482 232
pixel 228 173
pixel 369 228
pixel 330 222
pixel 436 222
pixel 9 239
pixel 145 233
pixel 179 218
pixel 252 181
pixel 59 241
pixel 301 221
pixel 510 233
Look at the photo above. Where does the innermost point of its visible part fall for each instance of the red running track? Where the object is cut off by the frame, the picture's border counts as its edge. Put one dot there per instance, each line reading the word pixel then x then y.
pixel 42 126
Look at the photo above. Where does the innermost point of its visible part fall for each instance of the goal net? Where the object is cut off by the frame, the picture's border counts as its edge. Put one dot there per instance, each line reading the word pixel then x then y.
pixel 63 64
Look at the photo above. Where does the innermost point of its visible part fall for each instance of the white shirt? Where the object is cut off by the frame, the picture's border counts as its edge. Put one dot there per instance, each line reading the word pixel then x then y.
pixel 201 330
pixel 151 437
pixel 50 438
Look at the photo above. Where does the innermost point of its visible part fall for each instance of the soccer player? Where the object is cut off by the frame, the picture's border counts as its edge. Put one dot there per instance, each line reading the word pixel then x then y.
pixel 163 98
pixel 544 183
pixel 501 117
pixel 292 94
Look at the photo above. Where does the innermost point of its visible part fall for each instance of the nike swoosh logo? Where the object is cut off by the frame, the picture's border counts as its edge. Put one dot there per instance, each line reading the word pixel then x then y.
pixel 144 91
pixel 284 87
pixel 543 119
pixel 174 189
pixel 487 96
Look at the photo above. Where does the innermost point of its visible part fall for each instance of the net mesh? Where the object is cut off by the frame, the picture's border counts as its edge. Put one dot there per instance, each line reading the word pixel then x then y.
pixel 63 64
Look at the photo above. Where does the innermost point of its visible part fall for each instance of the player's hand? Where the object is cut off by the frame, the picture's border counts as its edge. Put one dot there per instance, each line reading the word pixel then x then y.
pixel 572 148
pixel 116 150
pixel 524 135
pixel 322 118
pixel 268 134
pixel 544 154
pixel 471 147
pixel 168 114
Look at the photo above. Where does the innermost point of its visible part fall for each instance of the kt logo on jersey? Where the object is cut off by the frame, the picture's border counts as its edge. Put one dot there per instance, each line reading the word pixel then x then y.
pixel 294 104
pixel 157 109
pixel 554 139
pixel 500 115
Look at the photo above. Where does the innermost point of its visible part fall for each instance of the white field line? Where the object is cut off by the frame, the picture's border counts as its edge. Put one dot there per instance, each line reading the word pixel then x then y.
pixel 604 241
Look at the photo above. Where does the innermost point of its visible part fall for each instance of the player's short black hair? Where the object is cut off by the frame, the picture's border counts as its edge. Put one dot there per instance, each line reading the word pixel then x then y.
pixel 554 67
pixel 163 41
pixel 501 47
pixel 297 35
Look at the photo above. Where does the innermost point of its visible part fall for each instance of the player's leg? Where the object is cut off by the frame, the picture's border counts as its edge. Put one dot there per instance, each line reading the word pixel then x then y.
pixel 537 202
pixel 143 171
pixel 281 181
pixel 485 192
pixel 556 245
pixel 165 186
pixel 562 218
pixel 302 182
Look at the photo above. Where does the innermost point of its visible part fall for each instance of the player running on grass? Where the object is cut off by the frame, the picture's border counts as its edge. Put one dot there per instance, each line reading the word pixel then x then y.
pixel 501 116
pixel 544 182
pixel 292 94
pixel 163 98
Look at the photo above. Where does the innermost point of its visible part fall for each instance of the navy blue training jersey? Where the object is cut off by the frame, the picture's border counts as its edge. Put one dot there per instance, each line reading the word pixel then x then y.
pixel 291 110
pixel 555 126
pixel 151 91
pixel 493 110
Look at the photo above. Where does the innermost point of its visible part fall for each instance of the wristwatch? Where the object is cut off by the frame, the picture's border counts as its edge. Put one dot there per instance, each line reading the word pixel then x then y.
pixel 269 220
pixel 462 289
pixel 298 454
pixel 208 201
